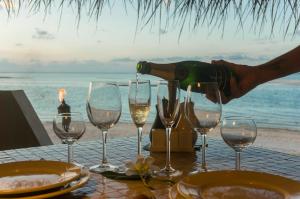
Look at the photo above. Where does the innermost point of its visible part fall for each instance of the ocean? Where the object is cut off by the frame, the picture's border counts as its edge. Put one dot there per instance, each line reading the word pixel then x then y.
pixel 275 104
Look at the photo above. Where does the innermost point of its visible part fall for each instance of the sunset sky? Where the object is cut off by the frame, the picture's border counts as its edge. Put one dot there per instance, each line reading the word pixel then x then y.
pixel 35 43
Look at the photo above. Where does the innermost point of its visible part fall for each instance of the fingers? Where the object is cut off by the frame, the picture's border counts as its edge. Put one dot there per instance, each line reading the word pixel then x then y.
pixel 231 65
pixel 216 99
pixel 224 99
pixel 221 62
pixel 235 89
pixel 211 98
pixel 218 61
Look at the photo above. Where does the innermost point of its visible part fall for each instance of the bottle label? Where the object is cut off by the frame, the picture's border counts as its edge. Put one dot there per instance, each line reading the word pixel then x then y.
pixel 190 72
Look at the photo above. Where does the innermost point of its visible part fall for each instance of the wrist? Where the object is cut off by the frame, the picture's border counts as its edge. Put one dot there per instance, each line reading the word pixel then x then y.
pixel 266 72
pixel 255 76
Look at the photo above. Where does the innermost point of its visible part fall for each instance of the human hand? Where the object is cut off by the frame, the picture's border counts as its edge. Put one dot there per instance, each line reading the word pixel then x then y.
pixel 242 81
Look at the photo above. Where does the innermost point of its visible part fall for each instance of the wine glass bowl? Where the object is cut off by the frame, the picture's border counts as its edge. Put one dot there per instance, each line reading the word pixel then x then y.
pixel 139 99
pixel 104 110
pixel 69 127
pixel 203 110
pixel 238 132
pixel 168 103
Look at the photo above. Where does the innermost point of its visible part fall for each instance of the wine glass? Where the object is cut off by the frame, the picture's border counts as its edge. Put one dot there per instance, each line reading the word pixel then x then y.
pixel 203 110
pixel 168 101
pixel 139 99
pixel 104 110
pixel 69 127
pixel 238 132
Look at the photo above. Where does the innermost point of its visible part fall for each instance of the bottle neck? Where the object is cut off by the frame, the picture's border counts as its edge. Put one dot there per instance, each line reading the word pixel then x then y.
pixel 164 71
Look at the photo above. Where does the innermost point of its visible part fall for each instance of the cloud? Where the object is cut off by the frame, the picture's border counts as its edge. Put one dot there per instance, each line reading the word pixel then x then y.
pixel 293 35
pixel 36 65
pixel 241 58
pixel 163 31
pixel 297 33
pixel 102 30
pixel 42 34
pixel 174 59
pixel 233 57
pixel 266 41
pixel 123 59
pixel 218 57
pixel 117 65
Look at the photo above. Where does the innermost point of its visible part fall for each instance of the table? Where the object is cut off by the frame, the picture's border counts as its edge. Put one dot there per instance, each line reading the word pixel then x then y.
pixel 219 156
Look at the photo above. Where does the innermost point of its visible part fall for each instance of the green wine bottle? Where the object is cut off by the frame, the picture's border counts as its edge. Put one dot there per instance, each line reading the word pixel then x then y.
pixel 189 73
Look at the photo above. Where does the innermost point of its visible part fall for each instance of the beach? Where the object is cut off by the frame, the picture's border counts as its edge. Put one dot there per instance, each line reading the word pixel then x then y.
pixel 281 140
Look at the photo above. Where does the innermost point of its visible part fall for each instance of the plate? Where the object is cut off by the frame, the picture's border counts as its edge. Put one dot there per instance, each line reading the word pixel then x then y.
pixel 71 187
pixel 31 176
pixel 238 184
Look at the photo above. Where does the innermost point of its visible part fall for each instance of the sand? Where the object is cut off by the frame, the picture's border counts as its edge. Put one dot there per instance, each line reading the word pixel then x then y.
pixel 281 140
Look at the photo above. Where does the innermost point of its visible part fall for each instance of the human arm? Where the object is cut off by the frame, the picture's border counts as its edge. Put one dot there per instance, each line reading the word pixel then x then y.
pixel 248 77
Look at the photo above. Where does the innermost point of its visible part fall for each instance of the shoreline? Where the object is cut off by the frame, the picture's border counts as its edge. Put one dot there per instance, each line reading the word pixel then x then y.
pixel 281 140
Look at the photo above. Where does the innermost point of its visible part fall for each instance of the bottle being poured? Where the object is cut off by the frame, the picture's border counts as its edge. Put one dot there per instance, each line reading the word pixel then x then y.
pixel 189 72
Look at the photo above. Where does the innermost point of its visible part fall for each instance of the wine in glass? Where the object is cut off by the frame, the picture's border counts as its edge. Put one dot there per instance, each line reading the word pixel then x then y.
pixel 203 110
pixel 168 102
pixel 139 105
pixel 104 110
pixel 238 132
pixel 69 127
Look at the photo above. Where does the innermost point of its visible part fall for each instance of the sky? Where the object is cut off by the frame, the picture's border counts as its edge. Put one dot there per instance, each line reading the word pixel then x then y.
pixel 38 43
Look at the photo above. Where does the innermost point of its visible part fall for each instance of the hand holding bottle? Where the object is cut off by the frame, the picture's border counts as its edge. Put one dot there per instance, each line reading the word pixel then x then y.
pixel 242 83
pixel 248 77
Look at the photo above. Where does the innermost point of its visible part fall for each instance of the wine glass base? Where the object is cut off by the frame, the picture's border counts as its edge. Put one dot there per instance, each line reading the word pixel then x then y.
pixel 199 168
pixel 103 167
pixel 167 173
pixel 77 164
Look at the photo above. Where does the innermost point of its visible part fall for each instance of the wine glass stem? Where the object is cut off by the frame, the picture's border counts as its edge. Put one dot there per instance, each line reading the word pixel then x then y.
pixel 168 144
pixel 70 153
pixel 237 160
pixel 204 166
pixel 140 133
pixel 104 138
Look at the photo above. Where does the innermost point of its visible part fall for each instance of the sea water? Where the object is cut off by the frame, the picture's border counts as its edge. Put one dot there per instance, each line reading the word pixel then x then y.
pixel 275 104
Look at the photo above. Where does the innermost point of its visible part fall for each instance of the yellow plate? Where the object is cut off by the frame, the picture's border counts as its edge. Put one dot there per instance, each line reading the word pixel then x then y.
pixel 32 176
pixel 238 184
pixel 173 193
pixel 73 185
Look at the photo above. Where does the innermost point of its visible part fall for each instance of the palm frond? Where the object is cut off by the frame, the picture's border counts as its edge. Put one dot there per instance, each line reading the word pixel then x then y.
pixel 276 14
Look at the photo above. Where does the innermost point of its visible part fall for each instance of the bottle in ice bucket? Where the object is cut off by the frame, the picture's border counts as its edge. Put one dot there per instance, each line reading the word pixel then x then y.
pixel 187 72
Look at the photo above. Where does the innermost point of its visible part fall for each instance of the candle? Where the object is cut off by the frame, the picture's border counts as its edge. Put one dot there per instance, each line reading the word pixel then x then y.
pixel 64 108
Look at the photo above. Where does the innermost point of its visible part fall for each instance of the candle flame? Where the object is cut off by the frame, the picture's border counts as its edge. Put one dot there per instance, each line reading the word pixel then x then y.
pixel 61 94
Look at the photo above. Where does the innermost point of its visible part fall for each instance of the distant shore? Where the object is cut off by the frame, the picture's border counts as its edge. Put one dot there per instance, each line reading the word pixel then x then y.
pixel 281 140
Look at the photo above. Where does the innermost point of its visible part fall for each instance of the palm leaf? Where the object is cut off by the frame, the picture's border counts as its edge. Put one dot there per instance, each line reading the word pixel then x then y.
pixel 276 14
